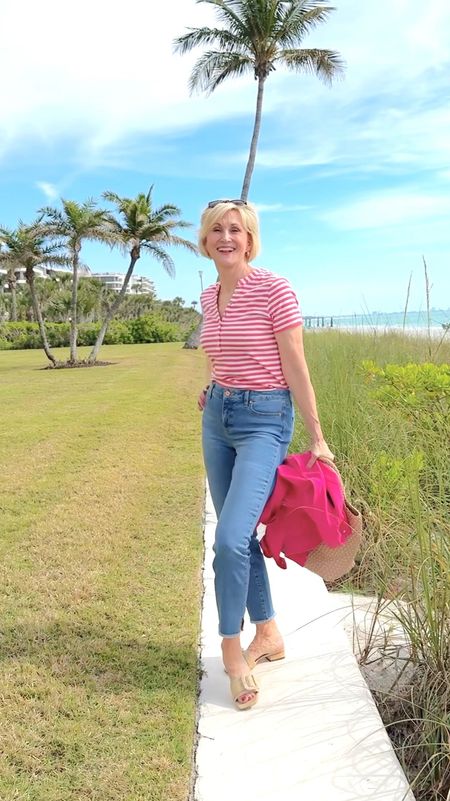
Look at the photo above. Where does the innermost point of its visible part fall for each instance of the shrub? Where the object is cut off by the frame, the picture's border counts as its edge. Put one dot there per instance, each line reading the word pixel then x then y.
pixel 88 333
pixel 151 328
pixel 119 333
pixel 22 335
pixel 421 391
pixel 58 334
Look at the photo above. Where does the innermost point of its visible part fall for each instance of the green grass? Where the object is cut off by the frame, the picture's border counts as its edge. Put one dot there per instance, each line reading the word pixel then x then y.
pixel 100 557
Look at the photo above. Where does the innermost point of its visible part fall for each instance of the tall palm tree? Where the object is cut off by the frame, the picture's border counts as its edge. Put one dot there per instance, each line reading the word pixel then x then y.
pixel 75 223
pixel 257 36
pixel 28 247
pixel 140 227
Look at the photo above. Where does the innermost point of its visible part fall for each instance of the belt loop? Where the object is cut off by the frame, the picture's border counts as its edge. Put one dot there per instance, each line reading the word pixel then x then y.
pixel 247 397
pixel 210 389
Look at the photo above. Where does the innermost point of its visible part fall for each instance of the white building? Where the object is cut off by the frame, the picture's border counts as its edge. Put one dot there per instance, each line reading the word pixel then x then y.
pixel 41 272
pixel 139 284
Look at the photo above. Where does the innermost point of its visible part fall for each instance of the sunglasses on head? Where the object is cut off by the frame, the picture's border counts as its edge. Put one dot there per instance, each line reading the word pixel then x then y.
pixel 237 202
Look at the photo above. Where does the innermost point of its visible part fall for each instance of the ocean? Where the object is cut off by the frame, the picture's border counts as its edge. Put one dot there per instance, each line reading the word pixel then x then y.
pixel 412 322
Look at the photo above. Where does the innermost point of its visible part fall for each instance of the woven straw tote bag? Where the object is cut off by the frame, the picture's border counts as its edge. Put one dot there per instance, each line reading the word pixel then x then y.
pixel 332 563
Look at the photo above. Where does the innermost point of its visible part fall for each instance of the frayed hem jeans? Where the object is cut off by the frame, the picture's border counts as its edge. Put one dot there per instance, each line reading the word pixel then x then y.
pixel 245 436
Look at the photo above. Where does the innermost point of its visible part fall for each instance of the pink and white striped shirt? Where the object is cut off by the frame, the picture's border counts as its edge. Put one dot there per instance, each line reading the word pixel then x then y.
pixel 242 344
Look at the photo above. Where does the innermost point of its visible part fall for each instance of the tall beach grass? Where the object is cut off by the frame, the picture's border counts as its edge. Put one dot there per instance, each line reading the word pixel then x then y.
pixel 395 461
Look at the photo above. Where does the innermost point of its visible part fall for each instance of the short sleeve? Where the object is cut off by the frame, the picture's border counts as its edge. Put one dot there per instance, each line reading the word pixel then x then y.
pixel 284 307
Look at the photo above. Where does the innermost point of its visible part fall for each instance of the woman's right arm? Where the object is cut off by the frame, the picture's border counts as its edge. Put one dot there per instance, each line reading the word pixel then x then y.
pixel 296 373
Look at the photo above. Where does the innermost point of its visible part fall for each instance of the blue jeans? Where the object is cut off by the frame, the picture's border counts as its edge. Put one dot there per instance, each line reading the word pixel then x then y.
pixel 246 434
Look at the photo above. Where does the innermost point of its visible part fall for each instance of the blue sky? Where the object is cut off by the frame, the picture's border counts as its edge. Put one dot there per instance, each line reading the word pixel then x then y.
pixel 352 182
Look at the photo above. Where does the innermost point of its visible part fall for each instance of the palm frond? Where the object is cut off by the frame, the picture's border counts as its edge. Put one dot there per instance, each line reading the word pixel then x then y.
pixel 169 224
pixel 298 20
pixel 179 241
pixel 204 37
pixel 26 246
pixel 258 20
pixel 76 221
pixel 138 225
pixel 326 64
pixel 113 197
pixel 234 14
pixel 160 255
pixel 165 212
pixel 213 68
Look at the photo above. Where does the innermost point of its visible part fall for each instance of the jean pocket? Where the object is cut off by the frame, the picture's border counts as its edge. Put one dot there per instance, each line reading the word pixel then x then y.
pixel 269 407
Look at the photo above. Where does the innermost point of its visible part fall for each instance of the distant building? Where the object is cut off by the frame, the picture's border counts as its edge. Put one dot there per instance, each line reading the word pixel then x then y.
pixel 139 284
pixel 42 272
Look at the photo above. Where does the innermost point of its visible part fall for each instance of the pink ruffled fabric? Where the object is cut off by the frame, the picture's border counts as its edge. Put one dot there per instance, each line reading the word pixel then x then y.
pixel 306 508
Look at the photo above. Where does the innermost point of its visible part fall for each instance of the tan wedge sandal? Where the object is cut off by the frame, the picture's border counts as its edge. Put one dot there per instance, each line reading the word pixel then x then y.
pixel 269 657
pixel 240 685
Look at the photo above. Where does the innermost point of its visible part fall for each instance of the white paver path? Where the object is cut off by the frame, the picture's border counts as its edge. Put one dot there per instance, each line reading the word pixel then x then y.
pixel 315 733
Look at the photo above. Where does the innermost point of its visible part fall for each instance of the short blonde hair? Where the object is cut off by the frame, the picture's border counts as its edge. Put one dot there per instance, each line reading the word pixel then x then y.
pixel 249 218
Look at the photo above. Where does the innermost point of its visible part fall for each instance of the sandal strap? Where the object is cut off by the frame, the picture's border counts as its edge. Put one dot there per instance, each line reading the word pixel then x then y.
pixel 243 684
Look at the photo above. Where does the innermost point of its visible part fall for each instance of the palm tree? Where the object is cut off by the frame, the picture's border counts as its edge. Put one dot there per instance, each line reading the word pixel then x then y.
pixel 139 227
pixel 28 247
pixel 75 223
pixel 257 36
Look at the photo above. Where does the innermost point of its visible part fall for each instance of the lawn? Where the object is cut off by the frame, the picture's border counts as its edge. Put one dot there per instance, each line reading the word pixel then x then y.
pixel 100 558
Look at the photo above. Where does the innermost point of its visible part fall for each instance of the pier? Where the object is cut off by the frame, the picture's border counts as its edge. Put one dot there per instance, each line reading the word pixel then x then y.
pixel 318 322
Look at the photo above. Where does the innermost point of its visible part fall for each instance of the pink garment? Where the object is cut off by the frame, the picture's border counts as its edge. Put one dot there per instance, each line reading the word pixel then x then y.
pixel 306 508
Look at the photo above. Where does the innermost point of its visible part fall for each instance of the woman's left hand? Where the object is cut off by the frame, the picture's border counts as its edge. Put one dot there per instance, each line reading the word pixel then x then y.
pixel 319 450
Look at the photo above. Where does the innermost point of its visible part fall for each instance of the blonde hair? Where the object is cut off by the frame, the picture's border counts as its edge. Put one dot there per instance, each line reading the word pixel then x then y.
pixel 249 219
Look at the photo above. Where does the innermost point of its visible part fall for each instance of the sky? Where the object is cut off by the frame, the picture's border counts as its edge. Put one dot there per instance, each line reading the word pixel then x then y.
pixel 352 181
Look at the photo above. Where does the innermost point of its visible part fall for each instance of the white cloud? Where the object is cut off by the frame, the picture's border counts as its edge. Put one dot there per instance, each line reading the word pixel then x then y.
pixel 101 80
pixel 387 209
pixel 50 190
pixel 388 139
pixel 102 77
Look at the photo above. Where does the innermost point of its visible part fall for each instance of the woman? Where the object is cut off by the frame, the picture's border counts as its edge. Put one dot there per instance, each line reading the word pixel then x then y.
pixel 252 335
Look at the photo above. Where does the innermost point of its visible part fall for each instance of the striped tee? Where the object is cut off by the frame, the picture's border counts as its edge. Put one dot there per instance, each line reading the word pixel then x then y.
pixel 242 344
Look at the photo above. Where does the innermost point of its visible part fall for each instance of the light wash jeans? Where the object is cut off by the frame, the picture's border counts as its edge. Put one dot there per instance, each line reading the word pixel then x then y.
pixel 246 434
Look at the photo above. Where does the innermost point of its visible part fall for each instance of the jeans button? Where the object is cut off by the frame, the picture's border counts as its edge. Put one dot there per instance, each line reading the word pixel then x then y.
pixel 227 393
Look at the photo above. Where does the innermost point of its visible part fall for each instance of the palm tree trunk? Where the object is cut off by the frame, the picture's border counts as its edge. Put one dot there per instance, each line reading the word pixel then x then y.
pixel 113 308
pixel 13 290
pixel 38 316
pixel 254 142
pixel 73 308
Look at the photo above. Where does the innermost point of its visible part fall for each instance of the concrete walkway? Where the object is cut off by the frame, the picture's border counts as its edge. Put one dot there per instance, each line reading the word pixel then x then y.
pixel 315 734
